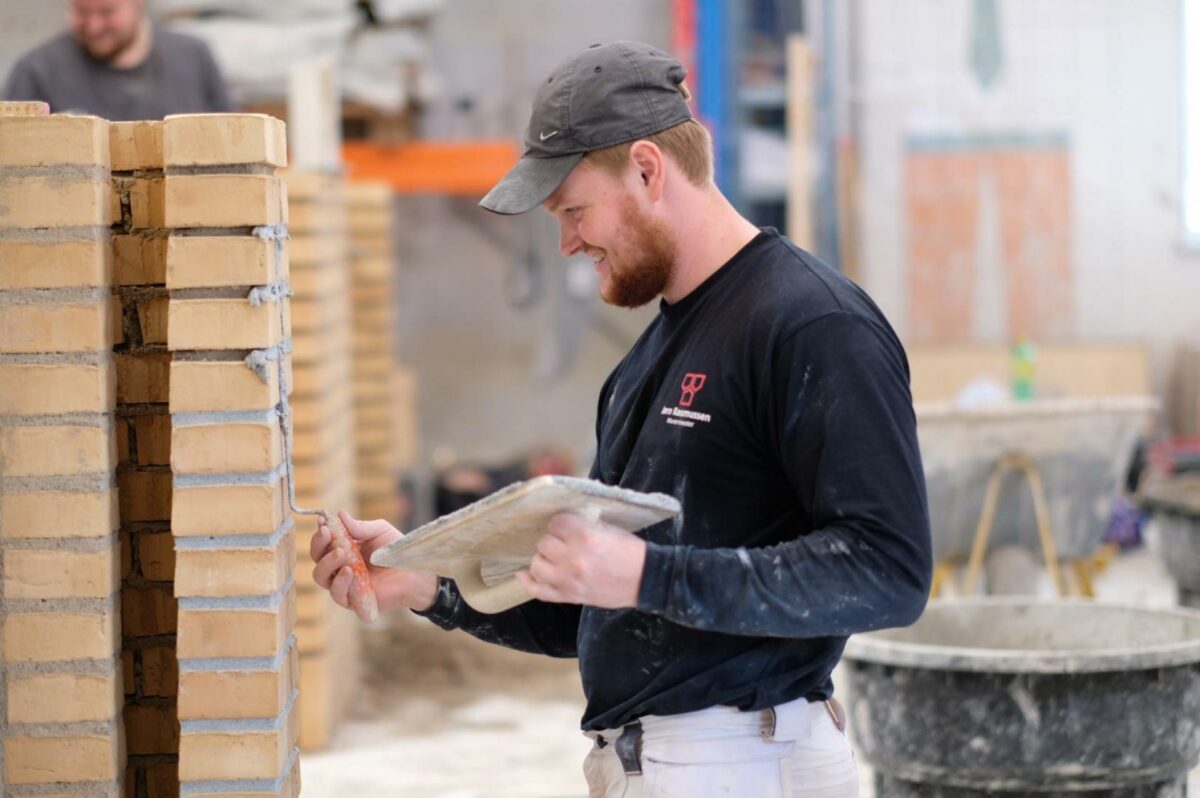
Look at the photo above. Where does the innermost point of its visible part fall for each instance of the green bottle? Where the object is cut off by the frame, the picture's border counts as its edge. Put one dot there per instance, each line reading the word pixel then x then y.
pixel 1022 369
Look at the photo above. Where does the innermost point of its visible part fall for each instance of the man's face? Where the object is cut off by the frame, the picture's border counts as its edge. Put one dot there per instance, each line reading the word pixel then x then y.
pixel 600 216
pixel 105 27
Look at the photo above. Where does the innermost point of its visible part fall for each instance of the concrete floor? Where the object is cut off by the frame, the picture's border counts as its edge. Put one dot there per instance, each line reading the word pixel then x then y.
pixel 516 732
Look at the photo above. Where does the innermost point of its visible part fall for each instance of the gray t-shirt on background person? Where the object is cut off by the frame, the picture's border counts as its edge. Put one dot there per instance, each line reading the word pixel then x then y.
pixel 179 76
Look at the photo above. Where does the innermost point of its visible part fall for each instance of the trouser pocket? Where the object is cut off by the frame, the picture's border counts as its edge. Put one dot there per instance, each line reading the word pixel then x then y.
pixel 822 765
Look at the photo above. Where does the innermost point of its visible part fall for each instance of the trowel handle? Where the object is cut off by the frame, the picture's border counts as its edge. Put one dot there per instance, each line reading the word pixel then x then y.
pixel 487 598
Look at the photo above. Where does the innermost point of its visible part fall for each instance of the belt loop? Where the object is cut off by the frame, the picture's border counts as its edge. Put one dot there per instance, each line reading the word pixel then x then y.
pixel 629 748
pixel 837 713
pixel 772 722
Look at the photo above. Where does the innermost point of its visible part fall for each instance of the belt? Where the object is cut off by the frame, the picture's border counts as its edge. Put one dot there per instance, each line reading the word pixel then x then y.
pixel 628 743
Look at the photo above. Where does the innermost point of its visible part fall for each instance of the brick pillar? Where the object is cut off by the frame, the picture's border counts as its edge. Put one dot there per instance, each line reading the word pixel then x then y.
pixel 385 435
pixel 323 415
pixel 226 270
pixel 60 687
pixel 148 607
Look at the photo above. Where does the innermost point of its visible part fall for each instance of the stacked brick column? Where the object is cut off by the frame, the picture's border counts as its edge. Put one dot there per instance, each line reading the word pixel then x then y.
pixel 324 455
pixel 60 687
pixel 384 437
pixel 144 476
pixel 226 269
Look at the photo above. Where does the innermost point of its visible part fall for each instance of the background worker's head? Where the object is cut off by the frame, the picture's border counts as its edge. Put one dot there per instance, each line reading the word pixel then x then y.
pixel 106 28
pixel 609 142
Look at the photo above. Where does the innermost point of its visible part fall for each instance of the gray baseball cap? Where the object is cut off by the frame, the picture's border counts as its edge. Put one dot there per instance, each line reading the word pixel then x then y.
pixel 606 95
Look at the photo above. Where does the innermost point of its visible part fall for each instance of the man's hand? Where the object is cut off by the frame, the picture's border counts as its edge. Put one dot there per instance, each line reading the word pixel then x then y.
pixel 393 587
pixel 586 562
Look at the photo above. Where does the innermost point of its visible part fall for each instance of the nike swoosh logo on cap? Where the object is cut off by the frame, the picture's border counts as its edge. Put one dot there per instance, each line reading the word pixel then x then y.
pixel 544 136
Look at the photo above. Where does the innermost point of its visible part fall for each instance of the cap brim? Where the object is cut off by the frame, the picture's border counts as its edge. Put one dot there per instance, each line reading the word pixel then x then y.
pixel 529 183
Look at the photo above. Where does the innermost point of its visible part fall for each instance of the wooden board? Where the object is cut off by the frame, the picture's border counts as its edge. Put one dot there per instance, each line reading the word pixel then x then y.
pixel 482 545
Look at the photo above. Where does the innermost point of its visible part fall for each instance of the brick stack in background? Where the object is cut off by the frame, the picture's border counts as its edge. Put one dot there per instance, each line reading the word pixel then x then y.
pixel 323 421
pixel 226 269
pixel 60 686
pixel 148 609
pixel 382 437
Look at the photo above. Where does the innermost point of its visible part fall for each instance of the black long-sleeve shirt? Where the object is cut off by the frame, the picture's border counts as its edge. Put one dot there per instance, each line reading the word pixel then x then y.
pixel 773 402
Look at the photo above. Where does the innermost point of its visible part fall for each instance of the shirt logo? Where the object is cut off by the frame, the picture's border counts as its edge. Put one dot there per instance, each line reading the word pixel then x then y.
pixel 544 136
pixel 692 383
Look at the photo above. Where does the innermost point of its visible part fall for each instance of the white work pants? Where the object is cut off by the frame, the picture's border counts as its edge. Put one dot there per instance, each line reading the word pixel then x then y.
pixel 795 750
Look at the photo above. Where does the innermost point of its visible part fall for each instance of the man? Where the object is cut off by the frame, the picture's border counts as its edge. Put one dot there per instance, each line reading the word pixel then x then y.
pixel 115 64
pixel 771 398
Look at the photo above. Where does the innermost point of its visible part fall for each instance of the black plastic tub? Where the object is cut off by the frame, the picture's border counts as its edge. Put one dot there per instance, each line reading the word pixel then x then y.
pixel 1015 696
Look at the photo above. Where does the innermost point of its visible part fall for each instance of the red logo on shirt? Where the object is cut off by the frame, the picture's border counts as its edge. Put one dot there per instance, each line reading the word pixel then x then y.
pixel 692 383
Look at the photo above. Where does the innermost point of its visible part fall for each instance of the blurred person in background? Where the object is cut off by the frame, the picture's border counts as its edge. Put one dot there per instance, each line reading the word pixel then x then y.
pixel 117 64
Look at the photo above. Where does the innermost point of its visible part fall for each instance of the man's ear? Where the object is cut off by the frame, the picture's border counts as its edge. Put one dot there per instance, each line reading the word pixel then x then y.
pixel 649 164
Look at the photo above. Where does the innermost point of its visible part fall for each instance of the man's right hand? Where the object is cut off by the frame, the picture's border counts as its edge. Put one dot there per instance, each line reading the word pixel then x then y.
pixel 393 587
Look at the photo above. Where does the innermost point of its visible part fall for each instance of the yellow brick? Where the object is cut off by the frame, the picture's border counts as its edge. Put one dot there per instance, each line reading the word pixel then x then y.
pixel 136 146
pixel 67 758
pixel 43 574
pixel 366 194
pixel 35 388
pixel 156 554
pixel 63 697
pixel 319 219
pixel 232 572
pixel 56 264
pixel 54 140
pixel 222 324
pixel 315 704
pixel 22 108
pixel 237 755
pixel 145 495
pixel 323 282
pixel 143 378
pixel 146 203
pixel 237 694
pixel 54 514
pixel 376 221
pixel 225 448
pixel 223 201
pixel 45 451
pixel 160 671
pixel 228 510
pixel 33 202
pixel 204 261
pixel 151 729
pixel 116 323
pixel 153 320
pixel 139 260
pixel 318 251
pixel 55 328
pixel 50 636
pixel 203 386
pixel 224 139
pixel 153 439
pixel 235 632
pixel 313 604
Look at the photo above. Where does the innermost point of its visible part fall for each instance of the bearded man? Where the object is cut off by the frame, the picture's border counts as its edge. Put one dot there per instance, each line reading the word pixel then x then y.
pixel 116 64
pixel 771 398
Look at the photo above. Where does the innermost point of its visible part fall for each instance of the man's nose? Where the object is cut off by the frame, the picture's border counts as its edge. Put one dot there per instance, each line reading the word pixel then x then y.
pixel 568 240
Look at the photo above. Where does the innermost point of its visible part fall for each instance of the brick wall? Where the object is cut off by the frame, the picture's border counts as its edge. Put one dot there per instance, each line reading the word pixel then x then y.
pixel 60 687
pixel 384 401
pixel 226 270
pixel 324 425
pixel 146 549
pixel 148 607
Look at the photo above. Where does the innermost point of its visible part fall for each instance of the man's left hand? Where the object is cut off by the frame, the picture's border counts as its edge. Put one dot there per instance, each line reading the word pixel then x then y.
pixel 586 562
